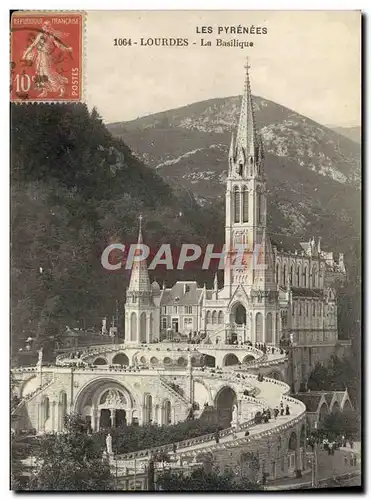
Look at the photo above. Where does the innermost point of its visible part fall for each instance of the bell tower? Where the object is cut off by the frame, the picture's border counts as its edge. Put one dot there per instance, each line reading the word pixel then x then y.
pixel 139 307
pixel 246 206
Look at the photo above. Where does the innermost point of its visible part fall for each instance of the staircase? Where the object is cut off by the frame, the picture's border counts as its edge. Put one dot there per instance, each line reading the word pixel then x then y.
pixel 213 334
pixel 48 380
pixel 175 394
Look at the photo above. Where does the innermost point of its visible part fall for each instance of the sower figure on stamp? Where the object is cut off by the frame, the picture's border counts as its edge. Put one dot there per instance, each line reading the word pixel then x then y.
pixel 41 51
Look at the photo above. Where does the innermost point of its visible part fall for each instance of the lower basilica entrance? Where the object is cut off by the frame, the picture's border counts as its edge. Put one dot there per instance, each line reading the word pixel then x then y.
pixel 106 404
pixel 112 418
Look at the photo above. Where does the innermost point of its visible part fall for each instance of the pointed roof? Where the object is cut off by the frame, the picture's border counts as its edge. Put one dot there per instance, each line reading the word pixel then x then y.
pixel 139 279
pixel 232 148
pixel 216 281
pixel 263 264
pixel 246 133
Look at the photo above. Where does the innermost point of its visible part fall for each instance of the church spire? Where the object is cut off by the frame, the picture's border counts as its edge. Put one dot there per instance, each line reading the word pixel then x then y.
pixel 139 279
pixel 246 133
pixel 232 148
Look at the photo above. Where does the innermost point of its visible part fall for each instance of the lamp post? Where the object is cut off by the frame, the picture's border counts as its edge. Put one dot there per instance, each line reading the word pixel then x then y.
pixel 116 471
pixel 314 461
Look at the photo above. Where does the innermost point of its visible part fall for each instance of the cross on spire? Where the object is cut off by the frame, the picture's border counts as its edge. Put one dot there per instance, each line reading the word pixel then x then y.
pixel 140 237
pixel 247 67
pixel 246 132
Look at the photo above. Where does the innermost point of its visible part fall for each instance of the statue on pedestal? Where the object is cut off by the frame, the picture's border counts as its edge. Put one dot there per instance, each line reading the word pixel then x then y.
pixel 234 422
pixel 104 326
pixel 109 444
pixel 40 359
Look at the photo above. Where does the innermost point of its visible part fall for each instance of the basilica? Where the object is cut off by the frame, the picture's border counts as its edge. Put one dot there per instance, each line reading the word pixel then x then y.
pixel 278 291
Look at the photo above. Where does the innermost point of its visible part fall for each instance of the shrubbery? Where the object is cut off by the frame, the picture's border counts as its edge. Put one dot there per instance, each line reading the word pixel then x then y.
pixel 134 438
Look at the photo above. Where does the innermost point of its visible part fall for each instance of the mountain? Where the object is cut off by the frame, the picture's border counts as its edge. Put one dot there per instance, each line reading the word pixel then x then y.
pixel 353 133
pixel 313 173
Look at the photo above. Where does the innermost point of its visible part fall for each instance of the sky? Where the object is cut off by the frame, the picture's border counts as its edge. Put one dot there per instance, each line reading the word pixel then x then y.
pixel 308 61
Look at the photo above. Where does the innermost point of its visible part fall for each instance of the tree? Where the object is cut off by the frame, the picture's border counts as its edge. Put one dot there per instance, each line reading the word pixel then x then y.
pixel 346 423
pixel 338 375
pixel 71 461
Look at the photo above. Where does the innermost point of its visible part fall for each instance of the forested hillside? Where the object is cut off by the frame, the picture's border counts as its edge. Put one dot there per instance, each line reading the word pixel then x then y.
pixel 74 190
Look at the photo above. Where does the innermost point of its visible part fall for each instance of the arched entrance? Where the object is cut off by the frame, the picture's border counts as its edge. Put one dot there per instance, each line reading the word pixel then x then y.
pixel 347 406
pixel 209 360
pixel 100 361
pixel 230 360
pixel 224 402
pixel 148 409
pixel 120 359
pixel 335 407
pixel 182 361
pixel 293 444
pixel 293 441
pixel 248 359
pixel 111 409
pixel 105 403
pixel 166 412
pixel 239 314
pixel 322 412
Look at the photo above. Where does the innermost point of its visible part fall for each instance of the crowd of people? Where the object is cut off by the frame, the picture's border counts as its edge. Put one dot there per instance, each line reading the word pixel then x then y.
pixel 266 415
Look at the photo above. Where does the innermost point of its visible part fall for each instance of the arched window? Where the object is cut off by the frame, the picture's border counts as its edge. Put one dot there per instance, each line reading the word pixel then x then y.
pixel 259 327
pixel 306 309
pixel 245 204
pixel 291 274
pixel 320 309
pixel 258 206
pixel 298 276
pixel 62 409
pixel 208 317
pixel 284 275
pixel 46 408
pixel 220 318
pixel 269 328
pixel 237 203
pixel 277 273
pixel 313 309
pixel 143 330
pixel 299 307
pixel 214 318
pixel 314 276
pixel 305 277
pixel 133 326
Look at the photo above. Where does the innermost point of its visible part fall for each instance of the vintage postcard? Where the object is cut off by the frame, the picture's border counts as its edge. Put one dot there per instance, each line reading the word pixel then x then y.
pixel 186 250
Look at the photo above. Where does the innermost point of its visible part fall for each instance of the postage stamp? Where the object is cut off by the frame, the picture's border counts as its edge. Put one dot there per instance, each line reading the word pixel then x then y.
pixel 46 54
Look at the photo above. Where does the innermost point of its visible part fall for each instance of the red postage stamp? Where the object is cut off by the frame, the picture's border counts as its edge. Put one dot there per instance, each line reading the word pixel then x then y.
pixel 46 56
